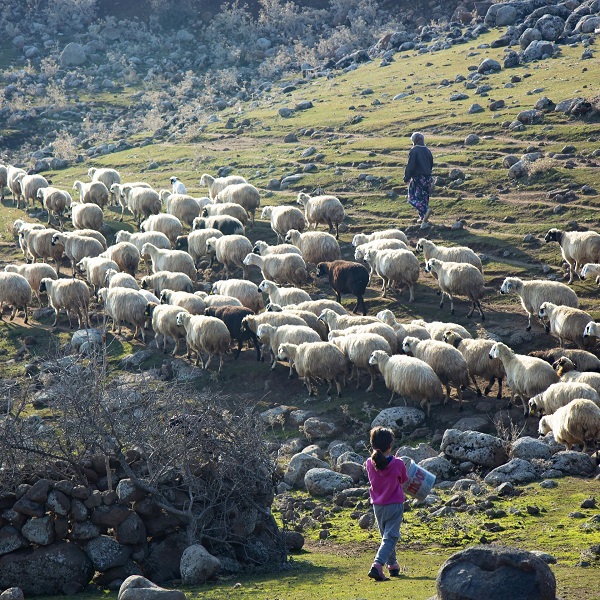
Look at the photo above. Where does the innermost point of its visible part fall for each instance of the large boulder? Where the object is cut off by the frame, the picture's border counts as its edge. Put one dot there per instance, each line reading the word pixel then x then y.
pixel 516 470
pixel 299 465
pixel 106 553
pixel 11 540
pixel 495 573
pixel 528 448
pixel 506 15
pixel 421 452
pixel 537 49
pixel 136 587
pixel 442 468
pixel 131 531
pixel 39 531
pixel 473 446
pixel 551 27
pixel 48 570
pixel 531 34
pixel 573 463
pixel 317 428
pixel 198 565
pixel 324 482
pixel 399 418
pixel 588 24
pixel 489 65
pixel 73 55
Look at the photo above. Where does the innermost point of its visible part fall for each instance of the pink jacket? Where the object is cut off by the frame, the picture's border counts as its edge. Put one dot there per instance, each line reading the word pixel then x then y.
pixel 386 485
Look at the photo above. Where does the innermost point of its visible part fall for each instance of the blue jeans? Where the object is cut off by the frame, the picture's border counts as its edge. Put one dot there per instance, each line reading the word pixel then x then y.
pixel 389 519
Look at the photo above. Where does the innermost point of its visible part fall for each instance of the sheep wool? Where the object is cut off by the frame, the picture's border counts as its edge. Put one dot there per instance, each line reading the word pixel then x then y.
pixel 346 277
pixel 281 268
pixel 577 247
pixel 560 394
pixel 316 246
pixel 245 291
pixel 14 291
pixel 323 209
pixel 284 218
pixel 459 254
pixel 576 423
pixel 205 334
pixel 282 296
pixel 387 234
pixel 567 324
pixel 70 294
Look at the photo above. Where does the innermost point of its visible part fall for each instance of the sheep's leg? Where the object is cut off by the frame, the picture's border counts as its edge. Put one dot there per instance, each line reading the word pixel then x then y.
pixel 441 305
pixel 499 395
pixel 525 402
pixel 470 313
pixel 69 317
pixel 338 386
pixel 528 328
pixel 460 400
pixel 373 375
pixel 354 368
pixel 308 386
pixel 73 267
pixel 447 396
pixel 337 231
pixel 55 317
pixel 451 304
pixel 391 397
pixel 328 392
pixel 480 310
pixel 477 388
pixel 411 291
pixel 14 312
pixel 255 342
pixel 221 360
pixel 385 286
pixel 207 362
pixel 571 268
pixel 338 296
pixel 239 349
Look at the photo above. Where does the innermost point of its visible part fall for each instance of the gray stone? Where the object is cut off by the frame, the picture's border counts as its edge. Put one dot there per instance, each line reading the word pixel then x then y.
pixel 11 540
pixel 458 96
pixel 506 15
pixel 299 465
pixel 399 418
pixel 471 139
pixel 475 108
pixel 551 27
pixel 495 573
pixel 324 482
pixel 547 558
pixel 162 563
pixel 294 541
pixel 73 55
pixel 349 457
pixel 573 463
pixel 516 470
pixel 336 449
pixel 137 587
pixel 511 60
pixel 13 593
pixel 316 427
pixel 39 531
pixel 354 470
pixel 518 170
pixel 131 531
pixel 421 452
pixel 530 117
pixel 82 531
pixel 529 35
pixel 441 467
pixel 538 49
pixel 58 503
pixel 463 485
pixel 544 103
pixel 528 448
pixel 198 565
pixel 509 160
pixel 106 553
pixel 588 24
pixel 548 484
pixel 475 423
pixel 304 105
pixel 479 448
pixel 285 112
pixel 128 492
pixel 93 336
pixel 489 64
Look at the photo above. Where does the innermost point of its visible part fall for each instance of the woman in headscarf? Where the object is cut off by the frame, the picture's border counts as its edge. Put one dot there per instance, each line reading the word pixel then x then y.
pixel 418 173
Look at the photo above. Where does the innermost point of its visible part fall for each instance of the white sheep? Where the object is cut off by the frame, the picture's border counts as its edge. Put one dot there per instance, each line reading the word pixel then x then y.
pixel 34 275
pixel 14 291
pixel 567 371
pixel 526 376
pixel 56 201
pixel 218 299
pixel 323 209
pixel 124 304
pixel 38 244
pixel 30 184
pixel 273 337
pixel 576 423
pixel 387 234
pixel 190 302
pixel 282 296
pixel 590 271
pixel 577 248
pixel 409 377
pixel 178 187
pixel 380 329
pixel 560 394
pixel 176 261
pixel 108 177
pixel 224 223
pixel 3 180
pixel 282 268
pixel 245 291
pixel 166 280
pixel 19 229
pixel 126 255
pixel 316 246
pixel 95 270
pixel 70 294
pixel 167 224
pixel 195 243
pixel 215 185
pixel 142 202
pixel 230 251
pixel 336 321
pixel 309 318
pixel 459 279
pixel 459 254
pixel 533 293
pixel 77 246
pixel 358 348
pixel 13 181
pixel 437 329
pixel 227 208
pixel 277 319
pixel 87 216
pixel 156 238
pixel 120 191
pixel 244 194
pixel 566 323
pixel 318 306
pixel 319 360
pixel 263 249
pixel 94 192
pixel 402 330
pixel 591 330
pixel 164 323
pixel 182 206
pixel 205 334
pixel 447 362
pixel 477 356
pixel 114 278
pixel 284 218
pixel 393 244
pixel 96 235
pixel 399 267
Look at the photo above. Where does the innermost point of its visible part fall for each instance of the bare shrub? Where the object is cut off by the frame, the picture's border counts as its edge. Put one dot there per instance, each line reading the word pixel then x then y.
pixel 65 146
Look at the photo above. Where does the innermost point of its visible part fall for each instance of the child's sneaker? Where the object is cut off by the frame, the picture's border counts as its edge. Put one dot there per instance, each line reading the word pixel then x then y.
pixel 394 570
pixel 376 573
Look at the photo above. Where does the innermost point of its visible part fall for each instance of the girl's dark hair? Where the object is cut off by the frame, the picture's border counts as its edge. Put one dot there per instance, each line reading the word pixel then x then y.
pixel 382 440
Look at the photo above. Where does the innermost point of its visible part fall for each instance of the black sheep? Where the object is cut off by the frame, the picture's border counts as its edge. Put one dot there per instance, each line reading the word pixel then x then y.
pixel 232 317
pixel 346 277
pixel 225 224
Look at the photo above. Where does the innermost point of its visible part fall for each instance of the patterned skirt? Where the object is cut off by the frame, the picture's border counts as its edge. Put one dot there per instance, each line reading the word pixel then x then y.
pixel 418 193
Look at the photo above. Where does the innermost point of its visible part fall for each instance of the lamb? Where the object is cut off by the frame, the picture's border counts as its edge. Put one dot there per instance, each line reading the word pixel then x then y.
pixel 591 331
pixel 566 370
pixel 402 330
pixel 323 209
pixel 346 277
pixel 218 299
pixel 224 223
pixel 361 251
pixel 263 249
pixel 184 207
pixel 121 191
pixel 77 246
pixel 395 266
pixel 108 177
pixel 577 248
pixel 216 185
pixel 55 201
pixel 335 321
pixel 309 318
pixel 273 337
pixel 560 394
pixel 127 256
pixel 320 360
pixel 166 280
pixel 19 229
pixel 14 291
pixel 316 246
pixel 583 360
pixel 178 187
pixel 95 270
pixel 38 243
pixel 233 317
pixel 533 293
pixel 409 377
pixel 87 216
pixel 245 291
pixel 156 238
pixel 282 296
pixel 170 260
pixel 167 224
pixel 590 270
pixel 114 278
pixel 358 349
pixel 477 356
pixel 94 192
pixel 34 275
pixel 576 423
pixel 567 324
pixel 459 279
pixel 447 362
pixel 205 334
pixel 125 304
pixel 227 208
pixel 164 323
pixel 190 302
pixel 30 184
pixel 244 194
pixel 70 294
pixel 143 203
pixel 252 322
pixel 230 250
pixel 13 181
pixel 437 329
pixel 96 235
pixel 387 234
pixel 459 254
pixel 380 329
pixel 318 306
pixel 526 376
pixel 284 218
pixel 282 268
pixel 195 243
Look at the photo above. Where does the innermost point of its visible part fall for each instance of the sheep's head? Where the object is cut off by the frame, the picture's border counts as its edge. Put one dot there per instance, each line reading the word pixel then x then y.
pixel 263 332
pixel 181 243
pixel 210 245
pixel 272 307
pixel 82 264
pixel 11 269
pixel 358 239
pixel 145 251
pixel 259 247
pixel 533 405
pixel 322 269
pixel 386 316
pixel 452 338
pixel 409 344
pixel 432 265
pixel 376 357
pixel 251 259
pixel 264 286
pixel 215 288
pixel 145 283
pixel 302 198
pixel 543 311
pixel 563 365
pixel 286 351
pixel 110 273
pixel 266 213
pixel 149 310
pixel 43 286
pixel 292 236
pixel 544 426
pixel 206 179
pixel 199 223
pixel 205 212
pixel 180 319
pixel 55 239
pixel 173 180
pixel 507 286
pixel 553 235
pixel 494 351
pixel 40 194
pixel 164 297
pixel 420 244
pixel 327 316
pixel 590 330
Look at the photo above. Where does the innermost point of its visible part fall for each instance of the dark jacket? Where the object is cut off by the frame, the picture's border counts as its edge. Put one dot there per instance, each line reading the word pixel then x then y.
pixel 420 162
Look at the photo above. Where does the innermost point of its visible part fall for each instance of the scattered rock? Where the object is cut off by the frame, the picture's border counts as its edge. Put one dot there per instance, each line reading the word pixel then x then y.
pixel 399 418
pixel 299 465
pixel 198 565
pixel 479 448
pixel 137 587
pixel 471 139
pixel 324 482
pixel 516 470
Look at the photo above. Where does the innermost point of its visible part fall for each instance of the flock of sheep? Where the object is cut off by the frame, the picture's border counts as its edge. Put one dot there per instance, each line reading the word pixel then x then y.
pixel 318 337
